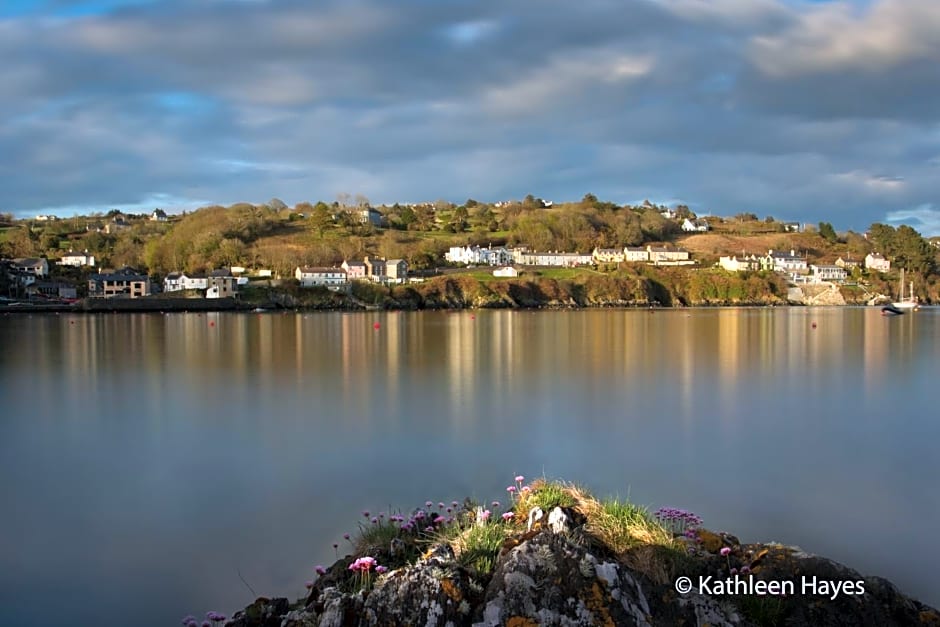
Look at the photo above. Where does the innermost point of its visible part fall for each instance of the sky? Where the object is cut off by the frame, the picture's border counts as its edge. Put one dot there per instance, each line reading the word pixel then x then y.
pixel 809 111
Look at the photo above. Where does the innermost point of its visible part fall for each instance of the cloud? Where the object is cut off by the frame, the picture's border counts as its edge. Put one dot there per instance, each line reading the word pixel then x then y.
pixel 925 218
pixel 838 37
pixel 661 99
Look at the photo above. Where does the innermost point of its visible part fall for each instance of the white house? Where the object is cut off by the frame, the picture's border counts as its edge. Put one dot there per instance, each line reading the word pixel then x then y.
pixel 506 271
pixel 659 254
pixel 608 255
pixel 221 284
pixel 635 253
pixel 463 254
pixel 877 261
pixel 822 273
pixel 564 260
pixel 31 266
pixel 333 278
pixel 178 281
pixel 158 215
pixel 692 226
pixel 781 261
pixel 77 260
pixel 746 263
pixel 396 271
pixel 471 255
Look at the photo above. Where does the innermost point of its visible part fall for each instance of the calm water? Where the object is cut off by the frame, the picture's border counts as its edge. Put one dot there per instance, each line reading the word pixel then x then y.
pixel 147 460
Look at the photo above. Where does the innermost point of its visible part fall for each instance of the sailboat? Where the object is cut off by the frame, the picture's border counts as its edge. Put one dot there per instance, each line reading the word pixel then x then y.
pixel 910 301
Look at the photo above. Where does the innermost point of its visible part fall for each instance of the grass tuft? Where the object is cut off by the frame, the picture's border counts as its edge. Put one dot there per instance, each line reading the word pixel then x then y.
pixel 546 495
pixel 623 525
pixel 478 546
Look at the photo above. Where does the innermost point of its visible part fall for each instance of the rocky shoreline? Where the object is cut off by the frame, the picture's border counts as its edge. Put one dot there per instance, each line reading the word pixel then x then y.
pixel 558 556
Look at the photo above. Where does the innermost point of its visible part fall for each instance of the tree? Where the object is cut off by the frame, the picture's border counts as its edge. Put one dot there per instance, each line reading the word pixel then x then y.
pixel 424 218
pixel 589 200
pixel 683 212
pixel 21 242
pixel 905 246
pixel 531 202
pixel 459 220
pixel 827 232
pixel 321 218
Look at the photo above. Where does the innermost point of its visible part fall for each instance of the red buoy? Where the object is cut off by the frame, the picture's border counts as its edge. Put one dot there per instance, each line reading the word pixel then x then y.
pixel 376 326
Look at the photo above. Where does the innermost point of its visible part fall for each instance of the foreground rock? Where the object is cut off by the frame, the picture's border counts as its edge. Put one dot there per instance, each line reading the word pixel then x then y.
pixel 566 575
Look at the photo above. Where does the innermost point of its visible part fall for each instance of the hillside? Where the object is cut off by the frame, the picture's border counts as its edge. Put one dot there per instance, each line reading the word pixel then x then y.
pixel 280 238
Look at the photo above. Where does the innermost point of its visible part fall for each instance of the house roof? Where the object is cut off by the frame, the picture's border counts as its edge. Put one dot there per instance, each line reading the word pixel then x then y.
pixel 355 263
pixel 221 273
pixel 119 276
pixel 321 270
pixel 27 262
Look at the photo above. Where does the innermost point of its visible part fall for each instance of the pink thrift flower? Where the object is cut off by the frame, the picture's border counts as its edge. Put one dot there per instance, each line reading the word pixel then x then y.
pixel 508 515
pixel 320 570
pixel 381 569
pixel 525 489
pixel 308 585
pixel 439 520
pixel 519 478
pixel 486 515
pixel 725 551
pixel 511 489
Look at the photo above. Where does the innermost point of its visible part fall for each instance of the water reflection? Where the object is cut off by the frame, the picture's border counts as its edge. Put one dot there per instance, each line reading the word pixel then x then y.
pixel 159 454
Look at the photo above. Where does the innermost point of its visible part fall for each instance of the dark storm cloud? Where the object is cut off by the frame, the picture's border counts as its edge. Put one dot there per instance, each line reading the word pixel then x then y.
pixel 805 111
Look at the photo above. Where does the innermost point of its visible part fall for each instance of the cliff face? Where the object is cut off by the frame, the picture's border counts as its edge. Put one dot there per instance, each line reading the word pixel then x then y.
pixel 659 287
pixel 583 563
